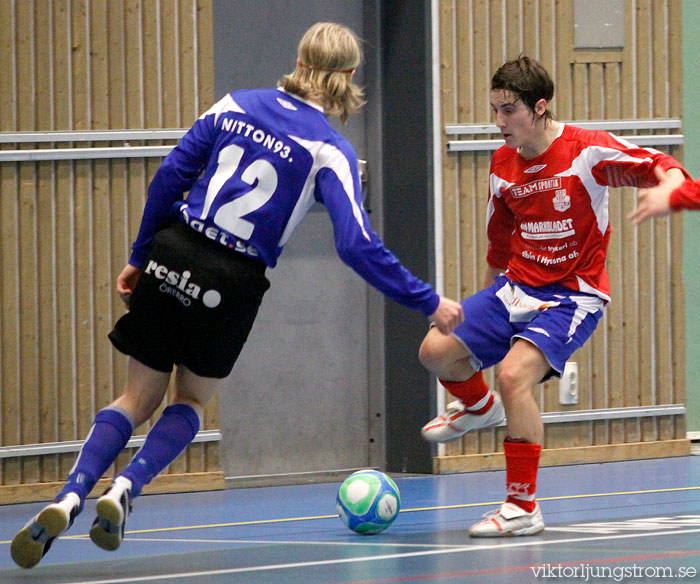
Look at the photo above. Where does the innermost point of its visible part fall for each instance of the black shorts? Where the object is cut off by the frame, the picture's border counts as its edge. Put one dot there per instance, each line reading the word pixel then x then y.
pixel 194 305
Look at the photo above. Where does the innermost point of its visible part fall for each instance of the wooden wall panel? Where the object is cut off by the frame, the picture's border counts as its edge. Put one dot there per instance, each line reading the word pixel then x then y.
pixel 636 356
pixel 66 226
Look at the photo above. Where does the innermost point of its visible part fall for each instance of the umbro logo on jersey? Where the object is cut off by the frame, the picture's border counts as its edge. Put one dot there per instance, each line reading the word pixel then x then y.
pixel 287 104
pixel 534 169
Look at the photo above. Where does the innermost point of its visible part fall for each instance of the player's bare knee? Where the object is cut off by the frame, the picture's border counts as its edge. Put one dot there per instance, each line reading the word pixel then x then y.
pixel 510 381
pixel 140 405
pixel 431 354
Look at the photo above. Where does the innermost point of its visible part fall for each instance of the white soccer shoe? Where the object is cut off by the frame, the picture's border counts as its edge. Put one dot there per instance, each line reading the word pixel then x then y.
pixel 509 521
pixel 33 541
pixel 457 421
pixel 113 509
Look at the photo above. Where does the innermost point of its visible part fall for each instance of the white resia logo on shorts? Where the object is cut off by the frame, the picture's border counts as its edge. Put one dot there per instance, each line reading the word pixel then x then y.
pixel 179 285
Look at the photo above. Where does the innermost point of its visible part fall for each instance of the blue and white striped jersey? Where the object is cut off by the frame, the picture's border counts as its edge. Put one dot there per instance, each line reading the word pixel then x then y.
pixel 253 165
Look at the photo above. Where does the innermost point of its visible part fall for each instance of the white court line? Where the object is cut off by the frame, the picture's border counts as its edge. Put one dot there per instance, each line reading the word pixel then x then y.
pixel 472 548
pixel 291 542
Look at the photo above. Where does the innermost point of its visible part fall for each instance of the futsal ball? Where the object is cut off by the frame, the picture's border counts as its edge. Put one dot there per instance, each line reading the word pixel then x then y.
pixel 368 501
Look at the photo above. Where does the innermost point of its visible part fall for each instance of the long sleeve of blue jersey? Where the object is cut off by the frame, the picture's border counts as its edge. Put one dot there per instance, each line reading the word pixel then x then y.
pixel 179 171
pixel 267 158
pixel 362 249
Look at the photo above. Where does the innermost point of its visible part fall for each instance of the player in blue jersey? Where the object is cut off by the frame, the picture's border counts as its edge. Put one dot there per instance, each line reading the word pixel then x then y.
pixel 253 165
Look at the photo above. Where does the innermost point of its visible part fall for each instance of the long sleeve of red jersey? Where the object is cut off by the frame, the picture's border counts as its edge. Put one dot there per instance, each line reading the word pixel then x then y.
pixel 686 196
pixel 629 165
pixel 500 224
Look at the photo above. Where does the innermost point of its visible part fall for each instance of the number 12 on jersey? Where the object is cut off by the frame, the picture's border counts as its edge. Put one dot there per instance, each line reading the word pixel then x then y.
pixel 230 215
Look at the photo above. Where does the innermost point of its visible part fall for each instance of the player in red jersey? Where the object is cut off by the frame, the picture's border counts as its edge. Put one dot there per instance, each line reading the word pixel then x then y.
pixel 546 286
pixel 665 198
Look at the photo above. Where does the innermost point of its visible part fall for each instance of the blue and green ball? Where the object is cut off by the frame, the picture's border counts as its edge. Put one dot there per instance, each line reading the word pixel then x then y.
pixel 368 501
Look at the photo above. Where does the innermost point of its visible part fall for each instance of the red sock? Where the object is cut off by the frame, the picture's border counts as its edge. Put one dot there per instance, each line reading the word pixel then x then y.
pixel 472 392
pixel 522 462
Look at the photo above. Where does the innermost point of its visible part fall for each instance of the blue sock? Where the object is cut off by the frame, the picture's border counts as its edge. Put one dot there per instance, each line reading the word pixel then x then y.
pixel 108 436
pixel 170 435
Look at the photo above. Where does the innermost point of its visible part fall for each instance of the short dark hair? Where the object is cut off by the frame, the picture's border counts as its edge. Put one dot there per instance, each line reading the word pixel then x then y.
pixel 526 78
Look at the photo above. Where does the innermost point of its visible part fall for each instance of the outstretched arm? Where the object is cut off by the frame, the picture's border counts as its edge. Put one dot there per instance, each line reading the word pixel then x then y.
pixel 656 201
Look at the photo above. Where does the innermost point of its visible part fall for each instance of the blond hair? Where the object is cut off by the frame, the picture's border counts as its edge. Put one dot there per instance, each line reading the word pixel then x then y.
pixel 328 54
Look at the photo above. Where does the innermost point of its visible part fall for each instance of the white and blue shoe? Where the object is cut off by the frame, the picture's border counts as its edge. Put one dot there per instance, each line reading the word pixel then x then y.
pixel 113 509
pixel 34 540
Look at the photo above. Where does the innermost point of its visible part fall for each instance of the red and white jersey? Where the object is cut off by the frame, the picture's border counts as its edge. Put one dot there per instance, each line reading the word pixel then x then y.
pixel 548 217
